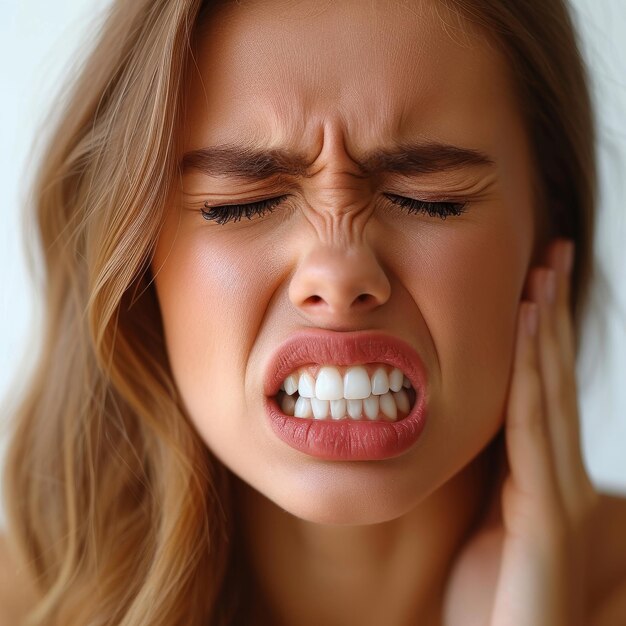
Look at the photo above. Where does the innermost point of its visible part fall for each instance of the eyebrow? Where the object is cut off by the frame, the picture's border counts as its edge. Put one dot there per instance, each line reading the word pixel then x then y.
pixel 249 163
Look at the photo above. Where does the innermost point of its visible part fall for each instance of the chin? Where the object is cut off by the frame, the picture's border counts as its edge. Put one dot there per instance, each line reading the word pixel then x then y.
pixel 356 513
pixel 346 502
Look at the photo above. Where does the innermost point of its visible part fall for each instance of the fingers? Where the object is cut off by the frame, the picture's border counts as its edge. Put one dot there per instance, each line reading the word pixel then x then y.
pixel 550 289
pixel 526 436
pixel 560 258
pixel 547 491
pixel 544 398
pixel 532 481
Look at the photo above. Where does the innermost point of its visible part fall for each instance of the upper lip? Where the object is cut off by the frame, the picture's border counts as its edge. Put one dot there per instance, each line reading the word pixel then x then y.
pixel 324 347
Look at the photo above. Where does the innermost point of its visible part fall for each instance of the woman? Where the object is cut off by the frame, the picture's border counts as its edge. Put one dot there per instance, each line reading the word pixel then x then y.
pixel 316 276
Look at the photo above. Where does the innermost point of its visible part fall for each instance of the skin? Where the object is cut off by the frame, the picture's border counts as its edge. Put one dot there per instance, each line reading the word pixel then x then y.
pixel 423 537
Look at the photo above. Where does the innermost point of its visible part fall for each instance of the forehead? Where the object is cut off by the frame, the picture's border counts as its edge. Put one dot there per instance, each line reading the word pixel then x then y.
pixel 277 71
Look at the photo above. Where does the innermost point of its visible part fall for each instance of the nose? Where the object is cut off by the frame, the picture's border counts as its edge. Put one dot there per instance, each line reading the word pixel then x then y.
pixel 332 286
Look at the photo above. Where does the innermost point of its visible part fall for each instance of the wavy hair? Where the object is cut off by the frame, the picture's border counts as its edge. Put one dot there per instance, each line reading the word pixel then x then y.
pixel 120 512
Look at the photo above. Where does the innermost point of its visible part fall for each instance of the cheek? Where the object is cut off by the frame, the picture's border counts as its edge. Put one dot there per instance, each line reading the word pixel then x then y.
pixel 480 306
pixel 470 306
pixel 211 294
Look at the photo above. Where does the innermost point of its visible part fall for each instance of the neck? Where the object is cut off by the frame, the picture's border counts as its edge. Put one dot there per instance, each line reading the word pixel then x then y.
pixel 395 572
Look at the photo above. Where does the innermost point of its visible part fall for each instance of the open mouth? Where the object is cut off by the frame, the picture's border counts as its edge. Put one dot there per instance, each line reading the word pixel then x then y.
pixel 346 396
pixel 373 392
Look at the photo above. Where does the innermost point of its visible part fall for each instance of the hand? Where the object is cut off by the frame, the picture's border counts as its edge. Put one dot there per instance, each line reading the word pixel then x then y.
pixel 530 552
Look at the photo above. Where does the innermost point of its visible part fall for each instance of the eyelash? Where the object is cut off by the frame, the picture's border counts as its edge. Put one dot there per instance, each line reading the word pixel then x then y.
pixel 234 212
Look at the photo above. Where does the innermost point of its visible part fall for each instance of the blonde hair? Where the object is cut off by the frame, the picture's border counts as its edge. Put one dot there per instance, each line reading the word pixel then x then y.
pixel 121 513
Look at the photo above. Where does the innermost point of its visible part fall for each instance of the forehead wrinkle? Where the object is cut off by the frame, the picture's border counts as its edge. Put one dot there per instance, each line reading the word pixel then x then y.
pixel 289 124
pixel 292 107
pixel 388 106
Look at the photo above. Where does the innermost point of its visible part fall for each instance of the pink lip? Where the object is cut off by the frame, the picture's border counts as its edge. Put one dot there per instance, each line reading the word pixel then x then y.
pixel 346 440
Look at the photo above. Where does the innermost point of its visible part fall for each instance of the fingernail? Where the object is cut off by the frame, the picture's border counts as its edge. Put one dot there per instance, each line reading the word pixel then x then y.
pixel 549 286
pixel 532 318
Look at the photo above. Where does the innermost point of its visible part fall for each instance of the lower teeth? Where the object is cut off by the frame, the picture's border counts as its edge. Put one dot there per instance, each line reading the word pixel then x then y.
pixel 389 407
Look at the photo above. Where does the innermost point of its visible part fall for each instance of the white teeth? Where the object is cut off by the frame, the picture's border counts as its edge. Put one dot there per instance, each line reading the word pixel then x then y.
pixel 385 407
pixel 380 382
pixel 388 406
pixel 355 408
pixel 291 384
pixel 371 407
pixel 402 400
pixel 395 379
pixel 306 385
pixel 356 383
pixel 320 408
pixel 338 409
pixel 329 385
pixel 303 407
pixel 288 404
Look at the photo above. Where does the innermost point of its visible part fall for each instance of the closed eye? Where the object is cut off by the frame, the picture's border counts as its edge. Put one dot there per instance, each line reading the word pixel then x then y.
pixel 433 209
pixel 221 214
pixel 234 212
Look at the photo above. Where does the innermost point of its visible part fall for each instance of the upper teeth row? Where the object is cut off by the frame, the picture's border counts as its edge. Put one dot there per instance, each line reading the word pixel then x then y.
pixel 355 384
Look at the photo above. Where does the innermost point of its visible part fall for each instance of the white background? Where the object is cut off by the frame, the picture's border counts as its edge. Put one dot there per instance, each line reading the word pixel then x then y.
pixel 38 38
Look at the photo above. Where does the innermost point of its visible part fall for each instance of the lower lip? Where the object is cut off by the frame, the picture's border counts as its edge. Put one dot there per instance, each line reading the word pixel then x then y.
pixel 348 440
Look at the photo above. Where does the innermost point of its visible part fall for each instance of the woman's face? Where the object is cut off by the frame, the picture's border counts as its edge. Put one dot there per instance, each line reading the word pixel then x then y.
pixel 335 84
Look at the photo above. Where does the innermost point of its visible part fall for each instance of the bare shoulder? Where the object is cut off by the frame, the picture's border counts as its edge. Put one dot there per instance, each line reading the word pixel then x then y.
pixel 607 576
pixel 16 594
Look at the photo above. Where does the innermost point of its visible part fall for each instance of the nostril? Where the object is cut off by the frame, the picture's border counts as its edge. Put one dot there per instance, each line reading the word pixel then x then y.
pixel 365 300
pixel 360 299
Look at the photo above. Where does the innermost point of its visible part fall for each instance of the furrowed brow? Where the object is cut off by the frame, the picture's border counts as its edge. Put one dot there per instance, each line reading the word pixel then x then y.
pixel 242 162
pixel 424 158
